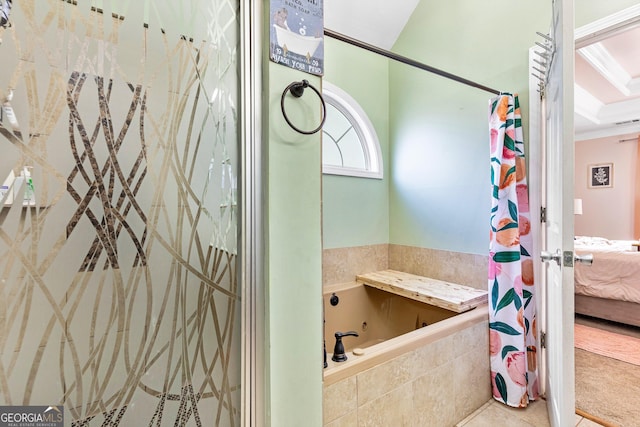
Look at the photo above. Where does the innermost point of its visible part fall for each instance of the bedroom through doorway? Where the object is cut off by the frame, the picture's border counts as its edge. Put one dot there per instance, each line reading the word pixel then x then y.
pixel 607 164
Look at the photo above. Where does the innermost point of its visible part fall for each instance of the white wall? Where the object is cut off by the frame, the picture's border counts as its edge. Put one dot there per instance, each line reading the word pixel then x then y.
pixel 607 212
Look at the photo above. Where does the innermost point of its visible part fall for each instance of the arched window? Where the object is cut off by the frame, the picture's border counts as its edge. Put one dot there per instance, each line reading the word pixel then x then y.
pixel 350 145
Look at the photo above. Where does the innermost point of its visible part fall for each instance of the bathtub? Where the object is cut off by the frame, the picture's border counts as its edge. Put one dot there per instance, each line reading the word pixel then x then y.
pixel 415 361
pixel 302 45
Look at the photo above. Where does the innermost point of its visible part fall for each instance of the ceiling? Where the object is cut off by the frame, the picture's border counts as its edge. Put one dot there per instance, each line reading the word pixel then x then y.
pixel 607 68
pixel 376 22
pixel 607 89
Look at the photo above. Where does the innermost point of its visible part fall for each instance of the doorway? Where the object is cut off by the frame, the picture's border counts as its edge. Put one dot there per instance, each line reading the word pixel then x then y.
pixel 607 125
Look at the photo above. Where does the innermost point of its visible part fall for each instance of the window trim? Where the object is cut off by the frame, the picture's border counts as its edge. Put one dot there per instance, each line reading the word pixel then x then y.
pixel 363 127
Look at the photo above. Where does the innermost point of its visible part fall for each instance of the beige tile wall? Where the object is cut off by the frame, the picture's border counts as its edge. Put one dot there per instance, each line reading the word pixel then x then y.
pixel 343 264
pixel 457 267
pixel 436 385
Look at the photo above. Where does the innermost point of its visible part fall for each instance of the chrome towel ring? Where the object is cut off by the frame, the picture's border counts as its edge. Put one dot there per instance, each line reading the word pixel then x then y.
pixel 297 89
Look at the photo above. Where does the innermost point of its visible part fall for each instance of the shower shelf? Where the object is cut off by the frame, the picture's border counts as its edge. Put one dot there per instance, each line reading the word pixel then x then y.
pixel 450 296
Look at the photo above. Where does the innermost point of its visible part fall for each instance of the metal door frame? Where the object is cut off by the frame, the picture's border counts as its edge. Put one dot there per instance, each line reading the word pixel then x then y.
pixel 251 272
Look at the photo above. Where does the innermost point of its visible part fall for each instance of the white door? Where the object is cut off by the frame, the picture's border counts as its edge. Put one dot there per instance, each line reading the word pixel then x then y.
pixel 558 229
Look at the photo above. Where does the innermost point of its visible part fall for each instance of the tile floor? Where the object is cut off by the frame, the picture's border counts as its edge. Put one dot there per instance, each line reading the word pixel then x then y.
pixel 494 414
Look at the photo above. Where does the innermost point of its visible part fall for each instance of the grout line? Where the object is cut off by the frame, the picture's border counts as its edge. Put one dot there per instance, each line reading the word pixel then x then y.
pixel 474 413
pixel 585 415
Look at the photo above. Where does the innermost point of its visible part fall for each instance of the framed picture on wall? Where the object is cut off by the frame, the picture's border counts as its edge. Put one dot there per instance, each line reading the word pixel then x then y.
pixel 600 175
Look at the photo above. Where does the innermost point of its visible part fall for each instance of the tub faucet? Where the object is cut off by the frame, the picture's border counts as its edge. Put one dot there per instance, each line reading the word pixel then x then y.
pixel 338 350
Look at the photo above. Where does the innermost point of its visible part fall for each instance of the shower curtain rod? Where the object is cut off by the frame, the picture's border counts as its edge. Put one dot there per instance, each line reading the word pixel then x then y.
pixel 408 61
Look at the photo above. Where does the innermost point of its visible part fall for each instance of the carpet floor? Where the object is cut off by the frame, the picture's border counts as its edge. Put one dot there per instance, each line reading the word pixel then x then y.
pixel 607 387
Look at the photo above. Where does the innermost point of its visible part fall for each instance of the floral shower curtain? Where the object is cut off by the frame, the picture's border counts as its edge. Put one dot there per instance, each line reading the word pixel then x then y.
pixel 512 317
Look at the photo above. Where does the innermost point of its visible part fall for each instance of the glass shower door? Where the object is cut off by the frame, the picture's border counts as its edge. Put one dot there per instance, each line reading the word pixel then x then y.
pixel 119 293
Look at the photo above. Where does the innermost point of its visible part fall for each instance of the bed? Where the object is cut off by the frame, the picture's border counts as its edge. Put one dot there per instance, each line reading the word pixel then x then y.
pixel 610 287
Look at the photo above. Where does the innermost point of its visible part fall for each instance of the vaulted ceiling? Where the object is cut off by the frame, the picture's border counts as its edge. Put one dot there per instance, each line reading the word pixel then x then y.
pixel 376 22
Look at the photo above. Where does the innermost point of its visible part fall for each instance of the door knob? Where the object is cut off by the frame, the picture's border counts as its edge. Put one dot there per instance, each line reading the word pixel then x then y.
pixel 548 256
pixel 584 259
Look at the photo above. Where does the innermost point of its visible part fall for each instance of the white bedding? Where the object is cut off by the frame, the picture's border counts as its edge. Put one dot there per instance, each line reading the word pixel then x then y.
pixel 602 244
pixel 615 272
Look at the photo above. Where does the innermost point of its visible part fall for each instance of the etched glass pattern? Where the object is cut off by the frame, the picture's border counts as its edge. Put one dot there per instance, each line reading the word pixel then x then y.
pixel 119 296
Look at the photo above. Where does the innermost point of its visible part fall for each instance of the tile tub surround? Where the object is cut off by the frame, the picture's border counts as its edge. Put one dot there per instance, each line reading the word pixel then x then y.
pixel 457 267
pixel 340 265
pixel 433 376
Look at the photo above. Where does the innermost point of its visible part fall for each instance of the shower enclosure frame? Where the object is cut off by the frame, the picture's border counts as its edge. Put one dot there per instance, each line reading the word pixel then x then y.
pixel 251 215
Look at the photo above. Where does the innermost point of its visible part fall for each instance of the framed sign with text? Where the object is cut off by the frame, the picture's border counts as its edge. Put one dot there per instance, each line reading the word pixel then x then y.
pixel 296 35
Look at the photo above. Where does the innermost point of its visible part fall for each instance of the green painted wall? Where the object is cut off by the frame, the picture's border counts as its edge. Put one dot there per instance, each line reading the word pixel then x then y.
pixel 355 211
pixel 440 194
pixel 433 131
pixel 294 255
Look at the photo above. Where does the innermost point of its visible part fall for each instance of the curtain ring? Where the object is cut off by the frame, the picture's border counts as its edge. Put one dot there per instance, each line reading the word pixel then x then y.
pixel 297 89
